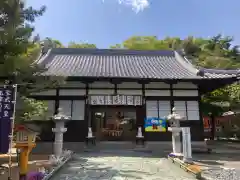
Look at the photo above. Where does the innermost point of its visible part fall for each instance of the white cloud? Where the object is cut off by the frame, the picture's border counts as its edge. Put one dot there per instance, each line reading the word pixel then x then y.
pixel 136 5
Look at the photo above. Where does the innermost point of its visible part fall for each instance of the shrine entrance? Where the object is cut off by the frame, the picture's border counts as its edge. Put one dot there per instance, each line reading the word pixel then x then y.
pixel 114 123
pixel 115 117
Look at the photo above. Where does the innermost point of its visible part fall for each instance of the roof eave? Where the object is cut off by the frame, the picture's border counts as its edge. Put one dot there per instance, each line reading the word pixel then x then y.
pixel 124 79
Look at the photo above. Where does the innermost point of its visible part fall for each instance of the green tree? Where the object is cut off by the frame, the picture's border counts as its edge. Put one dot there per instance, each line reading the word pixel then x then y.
pixel 18 51
pixel 116 46
pixel 56 43
pixel 82 45
pixel 219 52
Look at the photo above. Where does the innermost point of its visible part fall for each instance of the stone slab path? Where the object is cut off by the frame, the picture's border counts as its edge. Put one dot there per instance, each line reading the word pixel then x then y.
pixel 120 166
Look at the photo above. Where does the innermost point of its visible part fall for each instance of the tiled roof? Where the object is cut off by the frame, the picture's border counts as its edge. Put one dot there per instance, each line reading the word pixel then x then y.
pixel 115 63
pixel 216 73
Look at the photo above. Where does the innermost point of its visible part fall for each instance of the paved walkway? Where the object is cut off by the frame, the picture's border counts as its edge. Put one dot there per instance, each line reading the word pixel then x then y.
pixel 212 164
pixel 120 166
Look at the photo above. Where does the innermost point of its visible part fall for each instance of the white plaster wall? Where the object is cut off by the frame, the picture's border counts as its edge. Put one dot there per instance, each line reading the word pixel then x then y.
pixel 193 110
pixel 101 91
pixel 185 92
pixel 129 85
pixel 78 110
pixel 158 108
pixel 188 109
pixel 152 108
pixel 76 107
pixel 180 107
pixel 100 84
pixel 157 85
pixel 46 93
pixel 72 92
pixel 65 105
pixel 75 84
pixel 129 92
pixel 164 108
pixel 185 85
pixel 157 92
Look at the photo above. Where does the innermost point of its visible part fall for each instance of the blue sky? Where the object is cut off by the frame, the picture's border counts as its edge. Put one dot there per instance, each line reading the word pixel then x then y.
pixel 109 23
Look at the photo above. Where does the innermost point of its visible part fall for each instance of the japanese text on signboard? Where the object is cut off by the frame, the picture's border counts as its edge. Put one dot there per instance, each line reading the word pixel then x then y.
pixel 6 113
pixel 6 105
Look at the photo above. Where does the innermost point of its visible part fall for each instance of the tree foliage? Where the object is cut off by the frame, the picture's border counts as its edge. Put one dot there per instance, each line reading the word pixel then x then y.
pixel 18 51
pixel 81 45
pixel 31 109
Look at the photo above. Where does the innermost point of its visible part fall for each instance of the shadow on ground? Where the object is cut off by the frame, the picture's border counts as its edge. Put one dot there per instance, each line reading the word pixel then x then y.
pixel 217 157
pixel 126 153
pixel 120 165
pixel 216 161
pixel 80 167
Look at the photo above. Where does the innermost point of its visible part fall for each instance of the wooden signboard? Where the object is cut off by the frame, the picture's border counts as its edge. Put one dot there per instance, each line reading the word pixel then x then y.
pixel 116 100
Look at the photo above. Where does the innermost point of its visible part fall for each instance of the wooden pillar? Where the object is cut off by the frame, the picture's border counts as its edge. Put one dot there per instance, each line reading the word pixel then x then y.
pixel 213 125
pixel 56 101
pixel 171 97
pixel 86 112
pixel 200 112
pixel 141 110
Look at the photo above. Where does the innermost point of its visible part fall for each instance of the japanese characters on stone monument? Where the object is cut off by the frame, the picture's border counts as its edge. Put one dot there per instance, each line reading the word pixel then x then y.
pixel 6 113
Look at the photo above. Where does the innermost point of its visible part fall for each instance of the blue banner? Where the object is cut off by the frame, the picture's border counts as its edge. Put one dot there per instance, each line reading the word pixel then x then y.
pixel 6 113
pixel 155 124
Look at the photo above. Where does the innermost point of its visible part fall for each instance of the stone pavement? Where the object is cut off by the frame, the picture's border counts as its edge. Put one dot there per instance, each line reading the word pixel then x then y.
pixel 120 165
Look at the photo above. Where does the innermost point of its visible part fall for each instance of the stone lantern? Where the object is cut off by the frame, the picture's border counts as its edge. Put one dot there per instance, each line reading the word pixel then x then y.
pixel 175 128
pixel 59 129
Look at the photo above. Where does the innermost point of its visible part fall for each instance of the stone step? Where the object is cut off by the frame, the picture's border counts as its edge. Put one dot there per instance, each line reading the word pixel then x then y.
pixel 47 147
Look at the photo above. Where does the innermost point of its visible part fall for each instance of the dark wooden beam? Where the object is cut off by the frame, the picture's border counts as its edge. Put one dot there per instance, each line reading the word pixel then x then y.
pixel 86 112
pixel 123 79
pixel 115 81
pixel 200 110
pixel 56 102
pixel 143 82
pixel 172 99
pixel 115 88
pixel 143 94
pixel 170 81
pixel 87 82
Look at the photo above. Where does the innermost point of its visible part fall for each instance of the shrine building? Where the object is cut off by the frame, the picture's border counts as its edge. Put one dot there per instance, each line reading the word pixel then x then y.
pixel 109 89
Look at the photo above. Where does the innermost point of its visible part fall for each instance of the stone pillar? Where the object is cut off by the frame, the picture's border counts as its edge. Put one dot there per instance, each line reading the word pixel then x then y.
pixel 187 148
pixel 58 143
pixel 175 128
pixel 176 142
